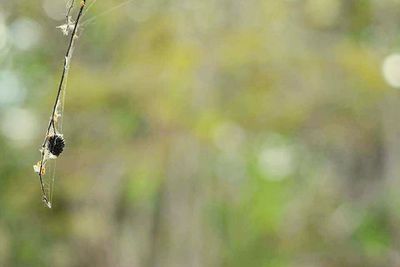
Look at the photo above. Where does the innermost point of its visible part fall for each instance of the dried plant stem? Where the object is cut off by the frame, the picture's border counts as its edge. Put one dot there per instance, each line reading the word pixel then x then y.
pixel 70 8
pixel 57 100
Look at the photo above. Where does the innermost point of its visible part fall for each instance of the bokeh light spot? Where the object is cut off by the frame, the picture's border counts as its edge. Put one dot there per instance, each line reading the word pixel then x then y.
pixel 19 125
pixel 25 33
pixel 391 70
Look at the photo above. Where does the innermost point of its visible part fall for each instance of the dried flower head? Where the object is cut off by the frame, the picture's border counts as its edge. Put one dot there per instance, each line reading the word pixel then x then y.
pixel 56 144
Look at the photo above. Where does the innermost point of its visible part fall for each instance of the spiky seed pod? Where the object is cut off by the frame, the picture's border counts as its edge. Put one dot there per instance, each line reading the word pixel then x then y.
pixel 56 144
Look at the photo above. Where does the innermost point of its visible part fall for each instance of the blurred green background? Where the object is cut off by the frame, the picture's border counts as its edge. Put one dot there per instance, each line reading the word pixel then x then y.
pixel 204 133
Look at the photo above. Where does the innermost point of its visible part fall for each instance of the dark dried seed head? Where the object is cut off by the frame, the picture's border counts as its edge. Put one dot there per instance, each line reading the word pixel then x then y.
pixel 56 144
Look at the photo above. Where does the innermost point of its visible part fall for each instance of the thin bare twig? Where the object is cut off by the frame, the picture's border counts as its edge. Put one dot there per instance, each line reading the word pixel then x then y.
pixel 60 87
pixel 69 9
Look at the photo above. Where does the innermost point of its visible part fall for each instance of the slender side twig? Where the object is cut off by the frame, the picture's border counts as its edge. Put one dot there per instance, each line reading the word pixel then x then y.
pixel 60 86
pixel 70 8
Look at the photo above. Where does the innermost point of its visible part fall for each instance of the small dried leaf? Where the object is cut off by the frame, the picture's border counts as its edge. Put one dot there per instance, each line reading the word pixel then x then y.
pixel 36 168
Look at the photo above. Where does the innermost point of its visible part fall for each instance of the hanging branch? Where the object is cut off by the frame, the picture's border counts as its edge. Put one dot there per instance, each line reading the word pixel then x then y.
pixel 53 144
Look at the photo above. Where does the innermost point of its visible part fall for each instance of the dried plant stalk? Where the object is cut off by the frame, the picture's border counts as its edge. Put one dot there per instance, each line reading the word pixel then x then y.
pixel 52 133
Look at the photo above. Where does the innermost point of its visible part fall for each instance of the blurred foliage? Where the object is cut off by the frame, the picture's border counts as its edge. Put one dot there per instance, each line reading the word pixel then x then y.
pixel 203 133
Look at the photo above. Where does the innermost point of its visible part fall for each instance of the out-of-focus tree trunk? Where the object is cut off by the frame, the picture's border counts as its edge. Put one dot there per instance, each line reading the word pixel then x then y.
pixel 183 237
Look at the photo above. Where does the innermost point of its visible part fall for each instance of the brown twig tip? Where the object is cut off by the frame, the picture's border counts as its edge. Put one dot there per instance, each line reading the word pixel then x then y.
pixel 46 202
